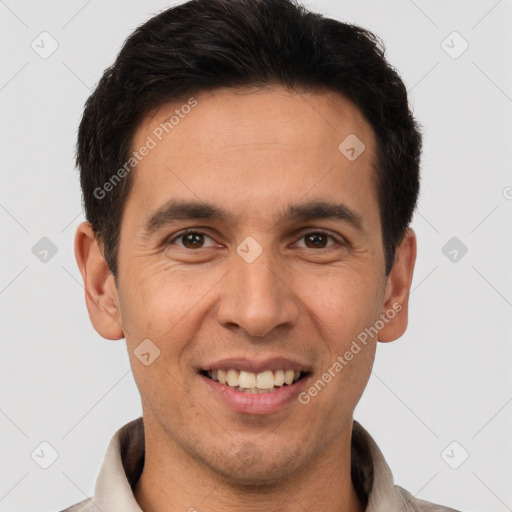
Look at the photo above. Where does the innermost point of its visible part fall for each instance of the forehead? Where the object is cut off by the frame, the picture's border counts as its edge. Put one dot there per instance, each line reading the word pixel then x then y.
pixel 267 115
pixel 242 147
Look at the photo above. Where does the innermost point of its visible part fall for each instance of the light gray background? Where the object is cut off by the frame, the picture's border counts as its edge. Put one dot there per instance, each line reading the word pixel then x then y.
pixel 448 378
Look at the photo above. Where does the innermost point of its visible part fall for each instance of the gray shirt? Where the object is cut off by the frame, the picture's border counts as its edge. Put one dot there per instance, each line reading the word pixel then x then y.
pixel 124 461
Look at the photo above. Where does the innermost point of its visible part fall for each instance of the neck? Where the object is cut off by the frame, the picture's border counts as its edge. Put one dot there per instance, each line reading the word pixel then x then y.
pixel 172 480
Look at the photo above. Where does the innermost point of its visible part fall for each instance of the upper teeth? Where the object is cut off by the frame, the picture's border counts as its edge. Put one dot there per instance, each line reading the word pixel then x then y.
pixel 249 380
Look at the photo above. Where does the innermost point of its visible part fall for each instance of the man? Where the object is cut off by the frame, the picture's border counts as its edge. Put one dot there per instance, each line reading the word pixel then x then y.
pixel 249 172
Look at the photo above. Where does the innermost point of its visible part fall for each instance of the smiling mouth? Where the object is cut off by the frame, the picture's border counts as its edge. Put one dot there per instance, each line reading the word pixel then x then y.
pixel 248 382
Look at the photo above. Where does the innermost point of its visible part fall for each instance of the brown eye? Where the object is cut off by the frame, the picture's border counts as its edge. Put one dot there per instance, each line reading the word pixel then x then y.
pixel 318 240
pixel 191 240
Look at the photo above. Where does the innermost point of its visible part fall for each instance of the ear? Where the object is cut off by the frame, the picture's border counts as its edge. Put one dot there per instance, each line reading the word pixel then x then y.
pixel 100 289
pixel 394 312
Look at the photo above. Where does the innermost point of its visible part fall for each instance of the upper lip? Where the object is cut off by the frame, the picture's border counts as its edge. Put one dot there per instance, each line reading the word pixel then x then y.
pixel 251 365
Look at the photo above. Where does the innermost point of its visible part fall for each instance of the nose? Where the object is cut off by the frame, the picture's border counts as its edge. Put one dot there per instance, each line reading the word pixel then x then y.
pixel 256 296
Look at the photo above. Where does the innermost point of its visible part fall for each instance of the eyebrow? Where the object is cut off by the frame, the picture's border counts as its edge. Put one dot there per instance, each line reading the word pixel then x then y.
pixel 175 210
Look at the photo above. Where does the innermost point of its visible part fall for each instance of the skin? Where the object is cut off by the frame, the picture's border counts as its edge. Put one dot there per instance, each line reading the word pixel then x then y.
pixel 252 152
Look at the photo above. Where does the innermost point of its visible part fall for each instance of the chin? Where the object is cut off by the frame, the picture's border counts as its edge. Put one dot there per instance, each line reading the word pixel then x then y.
pixel 257 478
pixel 251 467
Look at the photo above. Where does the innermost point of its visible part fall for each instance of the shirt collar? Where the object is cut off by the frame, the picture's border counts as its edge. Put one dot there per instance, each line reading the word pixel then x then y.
pixel 124 461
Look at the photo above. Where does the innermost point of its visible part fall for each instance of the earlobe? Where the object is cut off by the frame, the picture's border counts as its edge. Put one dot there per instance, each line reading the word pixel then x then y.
pixel 398 287
pixel 100 290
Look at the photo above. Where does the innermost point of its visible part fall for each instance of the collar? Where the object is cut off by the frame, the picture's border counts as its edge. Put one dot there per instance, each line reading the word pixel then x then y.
pixel 124 461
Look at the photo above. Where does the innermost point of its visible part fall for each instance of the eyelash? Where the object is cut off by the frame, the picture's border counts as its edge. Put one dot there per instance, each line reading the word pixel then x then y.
pixel 339 241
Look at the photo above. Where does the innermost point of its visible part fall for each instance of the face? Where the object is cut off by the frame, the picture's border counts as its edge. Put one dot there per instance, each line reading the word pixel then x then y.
pixel 250 243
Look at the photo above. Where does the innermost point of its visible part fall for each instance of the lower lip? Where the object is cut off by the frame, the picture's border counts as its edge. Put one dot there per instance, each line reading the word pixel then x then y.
pixel 255 403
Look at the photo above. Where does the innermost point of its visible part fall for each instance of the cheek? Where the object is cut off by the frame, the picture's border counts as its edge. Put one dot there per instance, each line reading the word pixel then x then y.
pixel 158 296
pixel 167 306
pixel 344 310
pixel 159 308
pixel 343 301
